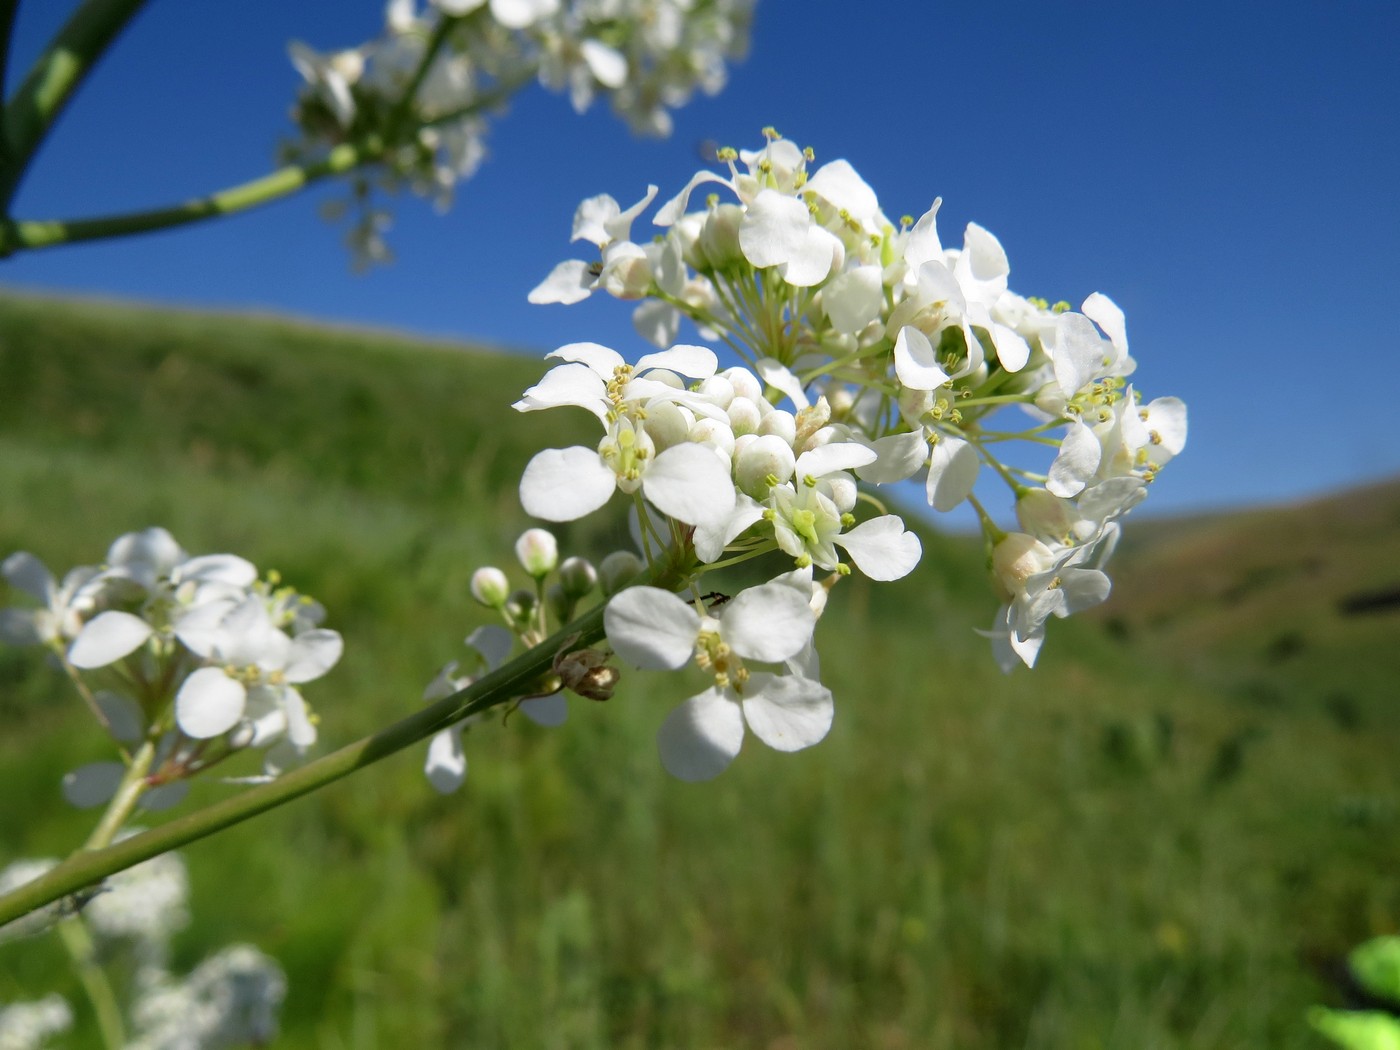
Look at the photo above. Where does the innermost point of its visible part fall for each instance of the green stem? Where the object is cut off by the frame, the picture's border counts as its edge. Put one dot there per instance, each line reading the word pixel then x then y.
pixel 129 792
pixel 51 81
pixel 28 235
pixel 514 679
pixel 78 942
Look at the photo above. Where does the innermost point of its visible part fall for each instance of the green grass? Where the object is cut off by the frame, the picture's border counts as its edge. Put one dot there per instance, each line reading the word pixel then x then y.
pixel 1160 838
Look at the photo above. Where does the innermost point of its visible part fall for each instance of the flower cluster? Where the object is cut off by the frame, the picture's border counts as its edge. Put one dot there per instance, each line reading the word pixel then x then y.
pixel 196 656
pixel 230 999
pixel 899 357
pixel 421 90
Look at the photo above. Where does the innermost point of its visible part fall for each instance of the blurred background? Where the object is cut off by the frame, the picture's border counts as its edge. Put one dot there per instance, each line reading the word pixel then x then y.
pixel 1168 834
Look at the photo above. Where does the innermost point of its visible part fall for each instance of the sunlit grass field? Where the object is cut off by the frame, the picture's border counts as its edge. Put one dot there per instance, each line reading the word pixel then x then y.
pixel 1164 836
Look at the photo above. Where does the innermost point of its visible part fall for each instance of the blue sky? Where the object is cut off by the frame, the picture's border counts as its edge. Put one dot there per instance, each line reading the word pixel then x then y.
pixel 1227 172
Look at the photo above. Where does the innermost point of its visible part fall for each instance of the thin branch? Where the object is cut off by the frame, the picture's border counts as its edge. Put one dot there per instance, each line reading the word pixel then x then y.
pixel 8 10
pixel 28 235
pixel 515 679
pixel 51 81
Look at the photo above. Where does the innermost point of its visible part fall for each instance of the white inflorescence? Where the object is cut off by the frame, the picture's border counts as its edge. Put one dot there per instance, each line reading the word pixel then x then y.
pixel 870 355
pixel 196 654
pixel 646 57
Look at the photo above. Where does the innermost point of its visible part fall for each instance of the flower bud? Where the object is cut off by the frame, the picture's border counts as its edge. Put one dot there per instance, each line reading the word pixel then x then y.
pixel 520 607
pixel 719 237
pixel 617 570
pixel 715 434
pixel 781 424
pixel 744 382
pixel 744 416
pixel 1016 558
pixel 718 390
pixel 667 424
pixel 764 458
pixel 559 603
pixel 1043 514
pixel 489 587
pixel 538 552
pixel 577 576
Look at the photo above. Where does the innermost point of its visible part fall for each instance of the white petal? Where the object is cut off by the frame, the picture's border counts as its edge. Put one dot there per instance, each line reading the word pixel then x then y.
pixel 1075 463
pixel 447 763
pixel 700 738
pixel 209 703
pixel 915 362
pixel 774 229
pixel 1078 352
pixel 1166 418
pixel 301 731
pixel 853 299
pixel 562 484
pixel 673 209
pixel 657 322
pixel 493 643
pixel 124 718
pixel 983 262
pixel 166 796
pixel 651 629
pixel 607 65
pixel 30 575
pixel 1105 313
pixel 569 282
pixel 550 710
pixel 518 14
pixel 693 362
pixel 93 784
pixel 837 455
pixel 312 654
pixel 711 539
pixel 219 568
pixel 952 472
pixel 768 623
pixel 786 712
pixel 779 377
pixel 840 185
pixel 571 384
pixel 898 456
pixel 881 548
pixel 108 638
pixel 603 360
pixel 821 251
pixel 923 244
pixel 691 484
pixel 1012 351
pixel 591 218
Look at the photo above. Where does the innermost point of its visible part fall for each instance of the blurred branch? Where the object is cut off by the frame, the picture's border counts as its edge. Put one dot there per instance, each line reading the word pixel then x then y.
pixel 51 81
pixel 28 235
pixel 8 9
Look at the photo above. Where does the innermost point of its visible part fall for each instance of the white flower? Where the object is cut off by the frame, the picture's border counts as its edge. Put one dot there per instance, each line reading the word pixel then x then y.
pixel 653 629
pixel 27 1026
pixel 256 670
pixel 231 999
pixel 63 606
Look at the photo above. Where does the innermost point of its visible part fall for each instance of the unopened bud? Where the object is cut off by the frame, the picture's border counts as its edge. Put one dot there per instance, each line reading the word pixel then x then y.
pixel 490 587
pixel 520 606
pixel 617 570
pixel 719 237
pixel 538 552
pixel 1016 558
pixel 577 576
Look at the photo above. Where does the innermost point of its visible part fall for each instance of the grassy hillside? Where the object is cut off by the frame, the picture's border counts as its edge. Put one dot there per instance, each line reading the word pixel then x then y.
pixel 1162 837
